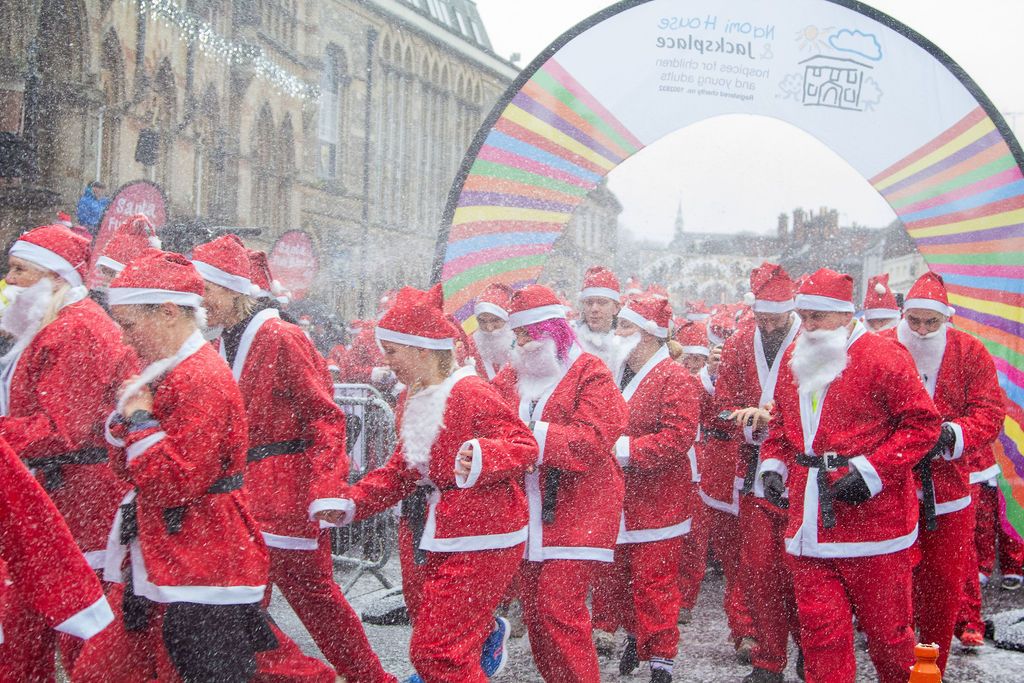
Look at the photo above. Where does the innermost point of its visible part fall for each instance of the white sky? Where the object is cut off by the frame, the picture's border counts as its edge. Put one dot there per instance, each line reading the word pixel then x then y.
pixel 775 167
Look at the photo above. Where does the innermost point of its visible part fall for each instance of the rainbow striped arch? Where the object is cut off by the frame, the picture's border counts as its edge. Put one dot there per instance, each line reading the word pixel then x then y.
pixel 880 95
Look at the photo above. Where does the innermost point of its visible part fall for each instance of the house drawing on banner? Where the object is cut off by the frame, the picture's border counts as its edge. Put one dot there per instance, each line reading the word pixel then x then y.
pixel 833 82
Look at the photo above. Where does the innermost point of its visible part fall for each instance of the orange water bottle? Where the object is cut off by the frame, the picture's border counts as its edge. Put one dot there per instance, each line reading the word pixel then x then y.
pixel 925 669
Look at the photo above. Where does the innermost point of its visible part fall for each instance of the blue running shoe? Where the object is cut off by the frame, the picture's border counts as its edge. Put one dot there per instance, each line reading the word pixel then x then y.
pixel 415 678
pixel 495 654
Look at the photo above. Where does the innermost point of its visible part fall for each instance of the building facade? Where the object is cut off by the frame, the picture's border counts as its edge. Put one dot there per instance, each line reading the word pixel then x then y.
pixel 343 119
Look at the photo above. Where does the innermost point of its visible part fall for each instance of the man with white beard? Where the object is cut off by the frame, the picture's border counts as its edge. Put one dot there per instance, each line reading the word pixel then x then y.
pixel 571 403
pixel 494 339
pixel 599 302
pixel 851 420
pixel 57 386
pixel 880 310
pixel 960 376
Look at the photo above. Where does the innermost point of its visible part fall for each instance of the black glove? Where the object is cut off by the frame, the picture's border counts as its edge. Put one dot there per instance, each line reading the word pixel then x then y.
pixel 851 488
pixel 774 489
pixel 947 438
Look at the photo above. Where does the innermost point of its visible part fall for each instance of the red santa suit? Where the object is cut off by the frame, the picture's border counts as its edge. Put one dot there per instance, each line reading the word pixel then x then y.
pixel 296 468
pixel 960 376
pixel 576 422
pixel 598 281
pixel 747 378
pixel 460 537
pixel 876 417
pixel 184 532
pixel 495 347
pixel 56 388
pixel 641 592
pixel 42 576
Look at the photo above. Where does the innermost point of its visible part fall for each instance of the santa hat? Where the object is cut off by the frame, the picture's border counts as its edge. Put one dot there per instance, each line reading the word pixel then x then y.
pixel 696 310
pixel 651 314
pixel 772 288
pixel 55 248
pixel 879 301
pixel 826 290
pixel 494 300
pixel 633 286
pixel 132 237
pixel 157 277
pixel 64 219
pixel 533 304
pixel 721 326
pixel 225 262
pixel 929 292
pixel 263 280
pixel 599 281
pixel 656 291
pixel 416 318
pixel 693 338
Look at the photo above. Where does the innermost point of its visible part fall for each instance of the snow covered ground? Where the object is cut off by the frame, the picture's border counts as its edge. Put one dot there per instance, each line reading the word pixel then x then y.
pixel 705 656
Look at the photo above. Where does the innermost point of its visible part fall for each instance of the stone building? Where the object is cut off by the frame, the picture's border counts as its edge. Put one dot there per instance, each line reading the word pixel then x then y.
pixel 590 238
pixel 342 119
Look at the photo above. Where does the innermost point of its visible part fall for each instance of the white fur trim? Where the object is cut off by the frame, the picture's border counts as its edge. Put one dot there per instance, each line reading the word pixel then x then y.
pixel 204 595
pixel 467 482
pixel 869 473
pixel 89 621
pixel 929 304
pixel 289 542
pixel 982 476
pixel 46 259
pixel 622 451
pixel 627 536
pixel 766 306
pixel 881 313
pixel 160 368
pixel 423 419
pixel 143 445
pixel 536 315
pixel 958 443
pixel 643 323
pixel 814 302
pixel 603 292
pixel 343 504
pixel 384 334
pixel 96 559
pixel 110 263
pixel 236 283
pixel 130 296
pixel 697 350
pixel 488 307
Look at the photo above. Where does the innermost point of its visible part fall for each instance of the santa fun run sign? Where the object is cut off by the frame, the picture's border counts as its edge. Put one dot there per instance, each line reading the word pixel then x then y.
pixel 884 98
pixel 293 262
pixel 140 196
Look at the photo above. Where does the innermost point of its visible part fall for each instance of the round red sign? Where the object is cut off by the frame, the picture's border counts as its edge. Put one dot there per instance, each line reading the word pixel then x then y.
pixel 293 262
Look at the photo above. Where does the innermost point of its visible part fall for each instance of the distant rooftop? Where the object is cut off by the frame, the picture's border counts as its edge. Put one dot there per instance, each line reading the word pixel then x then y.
pixel 458 16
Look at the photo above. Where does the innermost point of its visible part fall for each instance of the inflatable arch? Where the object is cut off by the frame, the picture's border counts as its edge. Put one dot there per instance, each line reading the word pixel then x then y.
pixel 880 95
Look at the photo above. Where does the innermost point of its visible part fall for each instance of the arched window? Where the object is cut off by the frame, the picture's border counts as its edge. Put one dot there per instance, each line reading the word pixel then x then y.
pixel 109 128
pixel 263 171
pixel 285 175
pixel 167 122
pixel 210 186
pixel 333 81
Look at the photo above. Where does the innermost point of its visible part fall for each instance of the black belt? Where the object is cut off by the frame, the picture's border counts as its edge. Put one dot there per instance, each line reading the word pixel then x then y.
pixel 552 479
pixel 752 458
pixel 52 466
pixel 924 470
pixel 414 509
pixel 708 433
pixel 173 517
pixel 829 462
pixel 269 450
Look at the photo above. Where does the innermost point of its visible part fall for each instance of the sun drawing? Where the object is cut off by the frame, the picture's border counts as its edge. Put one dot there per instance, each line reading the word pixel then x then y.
pixel 812 38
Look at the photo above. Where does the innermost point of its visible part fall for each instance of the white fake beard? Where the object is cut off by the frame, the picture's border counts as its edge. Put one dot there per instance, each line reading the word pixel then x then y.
pixel 623 349
pixel 23 317
pixel 537 367
pixel 601 344
pixel 819 357
pixel 927 349
pixel 495 347
pixel 422 420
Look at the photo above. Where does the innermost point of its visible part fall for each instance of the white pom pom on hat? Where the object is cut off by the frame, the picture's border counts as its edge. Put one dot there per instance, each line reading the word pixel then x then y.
pixel 749 298
pixel 879 288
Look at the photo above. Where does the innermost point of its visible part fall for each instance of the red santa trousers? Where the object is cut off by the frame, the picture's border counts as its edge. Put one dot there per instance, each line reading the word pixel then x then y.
pixel 694 558
pixel 772 602
pixel 724 540
pixel 939 579
pixel 989 527
pixel 641 590
pixel 451 600
pixel 830 591
pixel 554 595
pixel 306 580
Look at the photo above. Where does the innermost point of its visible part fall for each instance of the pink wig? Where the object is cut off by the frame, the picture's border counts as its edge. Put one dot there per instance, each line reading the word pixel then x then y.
pixel 557 329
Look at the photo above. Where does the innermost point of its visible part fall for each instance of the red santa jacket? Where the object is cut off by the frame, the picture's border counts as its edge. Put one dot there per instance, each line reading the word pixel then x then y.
pixel 967 396
pixel 297 463
pixel 719 487
pixel 876 413
pixel 336 357
pixel 484 511
pixel 40 564
pixel 745 379
pixel 664 403
pixel 61 390
pixel 195 446
pixel 576 425
pixel 357 365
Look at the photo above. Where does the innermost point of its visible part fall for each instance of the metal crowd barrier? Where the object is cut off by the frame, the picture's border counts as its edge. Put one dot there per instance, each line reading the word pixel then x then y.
pixel 365 547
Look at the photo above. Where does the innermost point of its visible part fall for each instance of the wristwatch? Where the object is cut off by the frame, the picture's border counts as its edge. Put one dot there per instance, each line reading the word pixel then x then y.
pixel 140 417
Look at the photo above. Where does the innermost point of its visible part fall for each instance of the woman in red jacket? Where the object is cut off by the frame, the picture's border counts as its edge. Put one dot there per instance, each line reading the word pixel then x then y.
pixel 458 471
